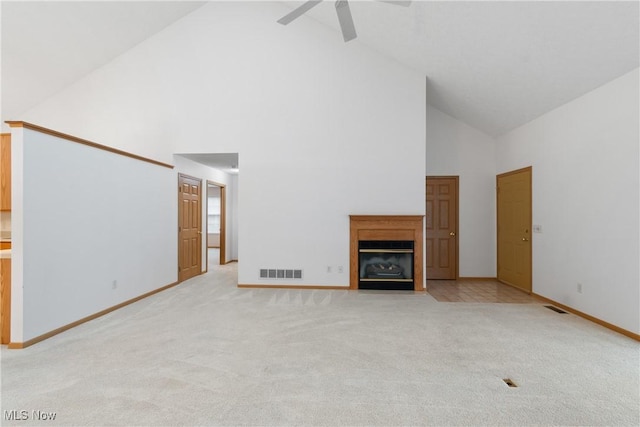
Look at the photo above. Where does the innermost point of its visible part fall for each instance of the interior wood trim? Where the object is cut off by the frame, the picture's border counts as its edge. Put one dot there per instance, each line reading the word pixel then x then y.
pixel 380 225
pixel 278 286
pixel 386 218
pixel 457 180
pixel 26 125
pixel 32 341
pixel 511 285
pixel 589 317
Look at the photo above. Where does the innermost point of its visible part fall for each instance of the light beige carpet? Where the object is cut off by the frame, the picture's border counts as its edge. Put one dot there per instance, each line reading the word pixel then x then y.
pixel 207 353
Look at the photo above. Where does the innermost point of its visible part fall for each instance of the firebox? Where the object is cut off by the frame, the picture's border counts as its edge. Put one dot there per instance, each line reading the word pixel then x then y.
pixel 385 264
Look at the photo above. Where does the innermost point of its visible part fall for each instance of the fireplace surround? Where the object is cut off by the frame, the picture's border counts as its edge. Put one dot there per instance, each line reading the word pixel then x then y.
pixel 386 252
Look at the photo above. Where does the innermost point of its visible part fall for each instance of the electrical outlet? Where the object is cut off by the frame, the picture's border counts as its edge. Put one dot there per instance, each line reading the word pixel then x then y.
pixel 114 285
pixel 328 269
pixel 340 269
pixel 579 287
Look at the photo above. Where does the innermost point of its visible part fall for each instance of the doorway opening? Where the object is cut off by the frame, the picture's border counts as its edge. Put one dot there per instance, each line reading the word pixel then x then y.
pixel 216 223
pixel 219 173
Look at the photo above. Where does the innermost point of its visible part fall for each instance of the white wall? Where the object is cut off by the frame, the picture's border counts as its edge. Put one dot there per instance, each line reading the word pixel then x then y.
pixel 198 170
pixel 84 218
pixel 17 235
pixel 324 128
pixel 232 202
pixel 454 148
pixel 213 210
pixel 585 158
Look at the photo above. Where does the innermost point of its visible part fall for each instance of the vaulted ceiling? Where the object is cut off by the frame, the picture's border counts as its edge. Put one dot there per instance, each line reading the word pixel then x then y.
pixel 499 64
pixel 494 65
pixel 48 45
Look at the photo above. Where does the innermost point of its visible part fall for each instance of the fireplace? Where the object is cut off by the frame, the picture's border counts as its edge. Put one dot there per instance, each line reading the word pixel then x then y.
pixel 386 252
pixel 385 264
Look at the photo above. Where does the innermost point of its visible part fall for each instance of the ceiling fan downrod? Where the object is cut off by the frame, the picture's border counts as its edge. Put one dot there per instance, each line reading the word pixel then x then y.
pixel 342 10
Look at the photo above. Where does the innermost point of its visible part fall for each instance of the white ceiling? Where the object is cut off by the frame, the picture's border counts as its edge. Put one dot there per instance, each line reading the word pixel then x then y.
pixel 48 45
pixel 494 65
pixel 499 64
pixel 227 162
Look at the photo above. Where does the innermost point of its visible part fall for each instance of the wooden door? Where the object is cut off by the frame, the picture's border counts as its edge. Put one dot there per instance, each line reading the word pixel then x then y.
pixel 514 228
pixel 189 227
pixel 442 228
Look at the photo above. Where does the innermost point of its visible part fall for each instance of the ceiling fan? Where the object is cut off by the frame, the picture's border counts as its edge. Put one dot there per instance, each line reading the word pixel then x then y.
pixel 343 11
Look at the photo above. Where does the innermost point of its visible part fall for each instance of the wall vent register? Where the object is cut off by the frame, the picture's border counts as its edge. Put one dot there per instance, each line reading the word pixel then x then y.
pixel 280 273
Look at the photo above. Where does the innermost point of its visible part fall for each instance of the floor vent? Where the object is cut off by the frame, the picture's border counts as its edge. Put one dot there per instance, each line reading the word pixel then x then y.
pixel 279 273
pixel 509 382
pixel 556 309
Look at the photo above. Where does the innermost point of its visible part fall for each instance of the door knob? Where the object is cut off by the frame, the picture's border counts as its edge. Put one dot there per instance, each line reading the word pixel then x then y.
pixel 453 233
pixel 524 239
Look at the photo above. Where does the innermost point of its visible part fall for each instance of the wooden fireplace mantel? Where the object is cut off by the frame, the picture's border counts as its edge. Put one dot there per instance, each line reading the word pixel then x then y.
pixel 387 227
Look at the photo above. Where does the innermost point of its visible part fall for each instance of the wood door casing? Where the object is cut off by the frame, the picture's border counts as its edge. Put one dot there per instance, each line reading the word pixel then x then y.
pixel 514 212
pixel 189 227
pixel 441 243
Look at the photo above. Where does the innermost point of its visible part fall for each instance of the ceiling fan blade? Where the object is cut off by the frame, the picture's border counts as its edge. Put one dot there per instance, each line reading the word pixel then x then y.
pixel 346 21
pixel 403 3
pixel 298 12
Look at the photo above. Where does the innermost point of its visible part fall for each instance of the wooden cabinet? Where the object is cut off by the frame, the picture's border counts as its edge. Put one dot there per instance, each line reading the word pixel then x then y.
pixel 5 172
pixel 5 300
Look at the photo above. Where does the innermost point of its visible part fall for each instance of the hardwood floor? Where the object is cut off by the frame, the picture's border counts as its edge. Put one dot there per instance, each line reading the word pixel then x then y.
pixel 477 290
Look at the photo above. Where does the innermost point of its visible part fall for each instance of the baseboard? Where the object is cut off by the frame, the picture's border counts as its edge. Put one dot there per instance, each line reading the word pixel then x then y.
pixel 231 260
pixel 590 318
pixel 32 341
pixel 279 286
